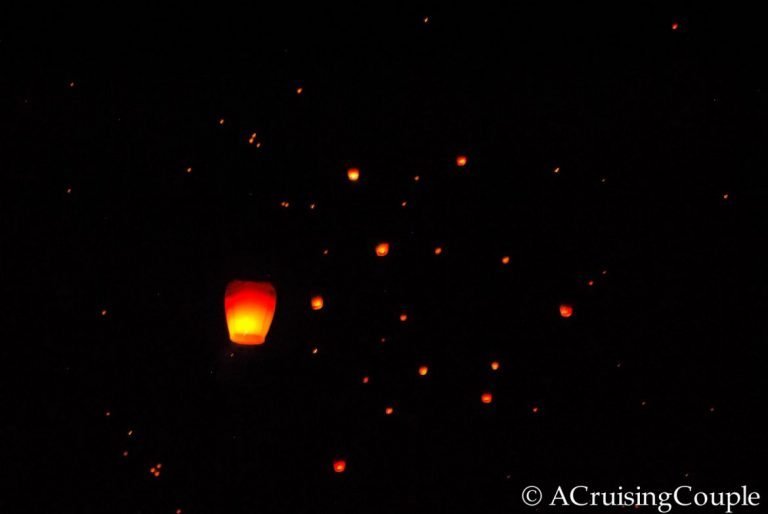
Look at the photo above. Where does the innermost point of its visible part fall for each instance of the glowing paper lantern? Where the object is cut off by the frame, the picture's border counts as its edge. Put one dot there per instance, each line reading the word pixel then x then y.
pixel 249 307
pixel 339 466
pixel 388 411
pixel 382 249
pixel 461 161
pixel 495 365
pixel 316 302
pixel 566 310
pixel 486 398
pixel 353 174
pixel 423 370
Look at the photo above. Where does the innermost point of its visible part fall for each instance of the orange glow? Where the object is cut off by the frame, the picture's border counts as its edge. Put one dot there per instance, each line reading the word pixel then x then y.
pixel 221 121
pixel 325 251
pixel 505 259
pixel 438 250
pixel 675 26
pixel 353 174
pixel 556 170
pixel 486 398
pixel 591 283
pixel 461 161
pixel 366 380
pixel 403 317
pixel 317 302
pixel 382 249
pixel 103 312
pixel 339 466
pixel 252 138
pixel 495 365
pixel 388 411
pixel 314 351
pixel 423 370
pixel 189 169
pixel 403 204
pixel 250 307
pixel 566 310
pixel 416 178
pixel 299 90
pixel 535 410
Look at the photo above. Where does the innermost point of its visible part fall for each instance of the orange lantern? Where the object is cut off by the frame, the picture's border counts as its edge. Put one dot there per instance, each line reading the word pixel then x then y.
pixel 249 307
pixel 566 310
pixel 495 365
pixel 353 174
pixel 339 465
pixel 486 398
pixel 505 260
pixel 423 370
pixel 316 302
pixel 461 161
pixel 382 249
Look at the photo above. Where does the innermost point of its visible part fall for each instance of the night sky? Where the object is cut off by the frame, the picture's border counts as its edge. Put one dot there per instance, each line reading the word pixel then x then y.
pixel 613 162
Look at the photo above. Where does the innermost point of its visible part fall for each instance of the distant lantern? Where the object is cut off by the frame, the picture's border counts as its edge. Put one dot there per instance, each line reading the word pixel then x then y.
pixel 403 317
pixel 495 365
pixel 505 260
pixel 388 411
pixel 486 398
pixel 316 302
pixel 423 370
pixel 353 174
pixel 566 310
pixel 461 161
pixel 339 466
pixel 249 307
pixel 382 249
pixel 675 26
pixel 438 250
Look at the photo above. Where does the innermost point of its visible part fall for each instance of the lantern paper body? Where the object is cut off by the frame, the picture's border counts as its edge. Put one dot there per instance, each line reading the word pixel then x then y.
pixel 566 310
pixel 249 307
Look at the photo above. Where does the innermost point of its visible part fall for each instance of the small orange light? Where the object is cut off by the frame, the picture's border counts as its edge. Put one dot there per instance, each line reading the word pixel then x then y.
pixel 556 170
pixel 438 250
pixel 103 312
pixel 189 169
pixel 461 161
pixel 404 317
pixel 535 410
pixel 353 174
pixel 388 411
pixel 69 190
pixel 404 204
pixel 423 370
pixel 725 196
pixel 339 466
pixel 317 302
pixel 495 365
pixel 675 26
pixel 312 206
pixel 366 380
pixel 325 251
pixel 252 138
pixel 505 259
pixel 314 351
pixel 382 249
pixel 299 90
pixel 566 310
pixel 416 178
pixel 591 283
pixel 486 398
pixel 221 121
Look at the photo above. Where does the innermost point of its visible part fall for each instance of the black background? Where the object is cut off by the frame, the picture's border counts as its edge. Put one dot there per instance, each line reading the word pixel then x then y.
pixel 656 380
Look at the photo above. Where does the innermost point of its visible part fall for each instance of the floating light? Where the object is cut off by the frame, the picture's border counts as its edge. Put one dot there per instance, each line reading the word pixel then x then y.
pixel 382 249
pixel 317 302
pixel 249 307
pixel 566 310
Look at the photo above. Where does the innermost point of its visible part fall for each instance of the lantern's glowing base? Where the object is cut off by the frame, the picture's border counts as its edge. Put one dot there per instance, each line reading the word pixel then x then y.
pixel 249 308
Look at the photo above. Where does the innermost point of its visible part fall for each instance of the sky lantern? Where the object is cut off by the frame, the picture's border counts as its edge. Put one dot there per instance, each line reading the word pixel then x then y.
pixel 250 307
pixel 495 365
pixel 316 302
pixel 353 174
pixel 423 370
pixel 486 398
pixel 339 465
pixel 461 161
pixel 566 310
pixel 505 260
pixel 382 249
